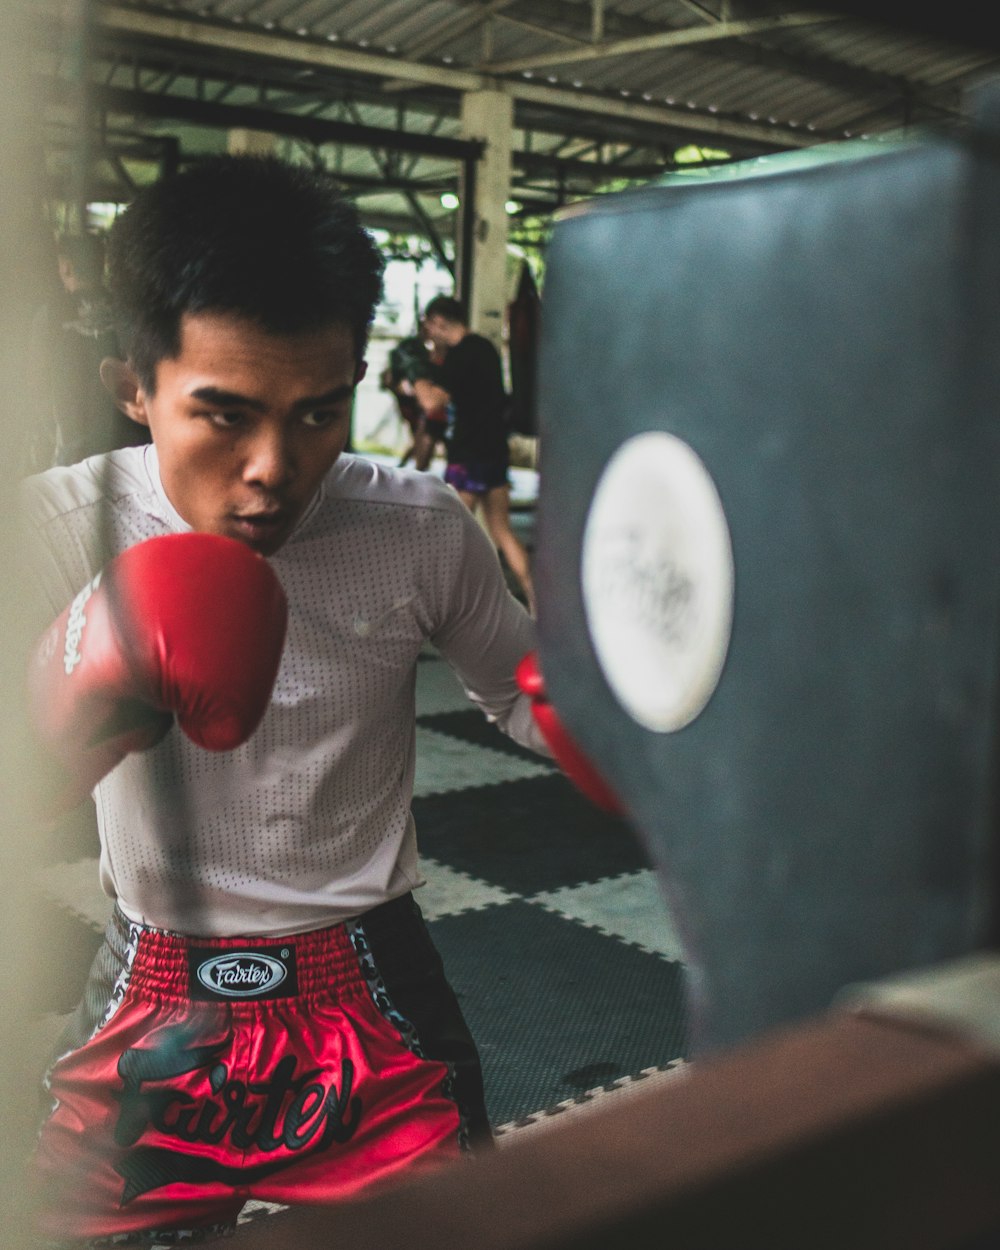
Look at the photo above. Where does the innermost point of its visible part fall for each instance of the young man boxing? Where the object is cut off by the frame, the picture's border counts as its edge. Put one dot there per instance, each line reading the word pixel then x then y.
pixel 267 1016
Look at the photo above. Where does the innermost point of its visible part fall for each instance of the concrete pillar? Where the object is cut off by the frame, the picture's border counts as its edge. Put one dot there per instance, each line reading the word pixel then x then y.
pixel 241 142
pixel 489 117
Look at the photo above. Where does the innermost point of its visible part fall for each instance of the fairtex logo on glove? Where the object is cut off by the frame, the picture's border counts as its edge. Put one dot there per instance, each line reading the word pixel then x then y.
pixel 242 974
pixel 75 623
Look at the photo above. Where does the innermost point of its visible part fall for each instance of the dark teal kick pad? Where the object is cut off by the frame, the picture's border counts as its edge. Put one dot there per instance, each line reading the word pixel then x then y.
pixel 819 331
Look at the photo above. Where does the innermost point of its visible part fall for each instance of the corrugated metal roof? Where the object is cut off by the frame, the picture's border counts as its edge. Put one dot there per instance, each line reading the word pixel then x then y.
pixel 602 88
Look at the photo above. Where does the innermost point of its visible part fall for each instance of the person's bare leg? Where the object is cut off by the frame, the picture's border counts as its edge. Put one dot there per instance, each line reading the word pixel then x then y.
pixel 423 448
pixel 496 514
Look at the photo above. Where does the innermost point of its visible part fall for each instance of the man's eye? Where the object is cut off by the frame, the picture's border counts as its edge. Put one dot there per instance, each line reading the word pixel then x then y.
pixel 321 418
pixel 225 420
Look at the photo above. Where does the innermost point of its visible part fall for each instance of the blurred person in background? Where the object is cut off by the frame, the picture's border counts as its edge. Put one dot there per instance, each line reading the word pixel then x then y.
pixel 409 360
pixel 72 415
pixel 470 383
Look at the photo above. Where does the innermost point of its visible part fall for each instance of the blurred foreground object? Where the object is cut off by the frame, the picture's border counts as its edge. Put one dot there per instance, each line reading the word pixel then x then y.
pixel 27 955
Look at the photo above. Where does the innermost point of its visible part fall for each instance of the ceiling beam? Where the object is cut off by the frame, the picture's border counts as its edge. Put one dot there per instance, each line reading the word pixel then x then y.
pixel 298 125
pixel 538 163
pixel 439 36
pixel 282 47
pixel 458 25
pixel 772 137
pixel 522 18
pixel 318 130
pixel 706 15
pixel 265 45
pixel 596 21
pixel 536 28
pixel 437 41
pixel 655 42
pixel 804 63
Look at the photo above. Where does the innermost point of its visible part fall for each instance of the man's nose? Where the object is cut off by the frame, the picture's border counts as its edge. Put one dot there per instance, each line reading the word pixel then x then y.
pixel 270 459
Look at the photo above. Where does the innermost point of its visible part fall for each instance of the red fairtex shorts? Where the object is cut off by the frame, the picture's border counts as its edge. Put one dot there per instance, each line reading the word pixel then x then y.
pixel 203 1072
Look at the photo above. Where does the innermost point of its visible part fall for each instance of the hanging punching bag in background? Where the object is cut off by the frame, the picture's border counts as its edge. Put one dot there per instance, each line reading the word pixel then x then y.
pixel 768 547
pixel 523 325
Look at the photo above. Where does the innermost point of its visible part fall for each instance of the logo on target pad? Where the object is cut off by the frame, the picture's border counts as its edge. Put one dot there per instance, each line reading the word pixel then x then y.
pixel 657 579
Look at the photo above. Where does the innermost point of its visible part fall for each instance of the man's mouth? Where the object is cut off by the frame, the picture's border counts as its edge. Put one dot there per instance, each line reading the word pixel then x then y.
pixel 257 527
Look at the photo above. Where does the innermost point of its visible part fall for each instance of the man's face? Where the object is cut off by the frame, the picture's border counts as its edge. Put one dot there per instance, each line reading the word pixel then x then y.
pixel 246 424
pixel 438 331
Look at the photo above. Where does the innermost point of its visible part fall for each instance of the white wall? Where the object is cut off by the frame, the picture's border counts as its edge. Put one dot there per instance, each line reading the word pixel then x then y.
pixel 409 287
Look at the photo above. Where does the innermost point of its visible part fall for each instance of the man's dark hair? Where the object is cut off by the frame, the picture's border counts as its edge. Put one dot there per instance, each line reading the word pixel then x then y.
pixel 246 235
pixel 447 307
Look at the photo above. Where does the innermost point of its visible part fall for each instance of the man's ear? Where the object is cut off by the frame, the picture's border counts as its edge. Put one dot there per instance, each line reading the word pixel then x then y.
pixel 360 372
pixel 119 378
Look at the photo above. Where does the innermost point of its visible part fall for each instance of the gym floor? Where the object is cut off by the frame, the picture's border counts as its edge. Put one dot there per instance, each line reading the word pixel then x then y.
pixel 546 912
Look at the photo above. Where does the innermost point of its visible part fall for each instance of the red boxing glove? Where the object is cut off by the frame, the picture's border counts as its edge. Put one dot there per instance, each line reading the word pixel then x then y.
pixel 567 754
pixel 188 625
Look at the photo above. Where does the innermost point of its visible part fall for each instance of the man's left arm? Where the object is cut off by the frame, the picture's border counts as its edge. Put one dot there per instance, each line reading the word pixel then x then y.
pixel 485 634
pixel 490 642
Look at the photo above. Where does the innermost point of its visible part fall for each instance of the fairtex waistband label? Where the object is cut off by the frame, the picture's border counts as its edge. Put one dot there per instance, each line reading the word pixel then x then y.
pixel 254 972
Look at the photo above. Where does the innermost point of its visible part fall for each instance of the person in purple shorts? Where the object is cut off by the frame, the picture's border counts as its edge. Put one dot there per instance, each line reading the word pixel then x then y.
pixel 471 382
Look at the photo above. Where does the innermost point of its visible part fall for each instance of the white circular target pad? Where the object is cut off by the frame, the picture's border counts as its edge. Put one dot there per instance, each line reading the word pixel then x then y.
pixel 657 573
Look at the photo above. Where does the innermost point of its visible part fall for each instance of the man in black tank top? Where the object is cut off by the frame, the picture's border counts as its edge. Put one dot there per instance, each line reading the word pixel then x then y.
pixel 471 384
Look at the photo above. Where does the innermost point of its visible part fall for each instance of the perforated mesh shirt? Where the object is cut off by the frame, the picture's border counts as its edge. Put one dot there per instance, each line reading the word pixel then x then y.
pixel 309 822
